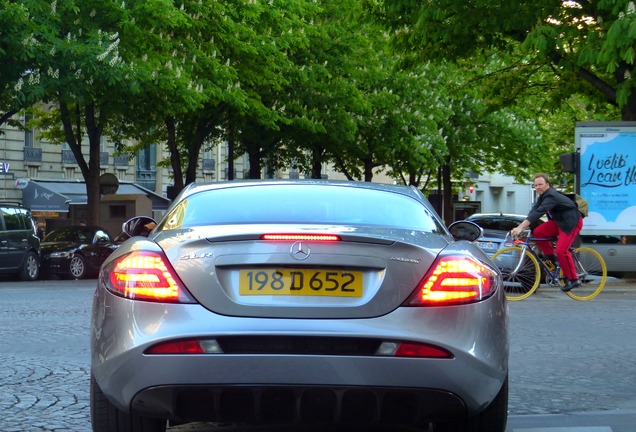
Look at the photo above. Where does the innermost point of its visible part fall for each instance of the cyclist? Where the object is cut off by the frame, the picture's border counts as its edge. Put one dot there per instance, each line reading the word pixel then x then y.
pixel 564 222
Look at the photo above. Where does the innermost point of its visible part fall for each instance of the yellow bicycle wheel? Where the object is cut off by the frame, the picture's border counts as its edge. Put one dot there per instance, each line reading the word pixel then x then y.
pixel 520 270
pixel 592 272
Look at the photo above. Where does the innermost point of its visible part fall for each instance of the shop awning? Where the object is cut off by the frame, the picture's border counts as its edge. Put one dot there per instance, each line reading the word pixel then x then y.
pixel 56 196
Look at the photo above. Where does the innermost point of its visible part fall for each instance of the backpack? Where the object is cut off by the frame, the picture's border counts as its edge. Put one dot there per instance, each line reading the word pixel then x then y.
pixel 581 203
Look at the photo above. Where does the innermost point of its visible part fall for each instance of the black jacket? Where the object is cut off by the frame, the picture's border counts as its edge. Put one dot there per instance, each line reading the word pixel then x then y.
pixel 558 207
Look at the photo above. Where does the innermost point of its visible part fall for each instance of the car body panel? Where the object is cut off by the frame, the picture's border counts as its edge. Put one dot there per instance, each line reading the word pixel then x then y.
pixel 259 335
pixel 495 226
pixel 475 374
pixel 95 246
pixel 18 238
pixel 618 252
pixel 218 262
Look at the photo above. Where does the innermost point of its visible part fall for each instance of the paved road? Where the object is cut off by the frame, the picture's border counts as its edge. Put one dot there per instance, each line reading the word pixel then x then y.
pixel 572 363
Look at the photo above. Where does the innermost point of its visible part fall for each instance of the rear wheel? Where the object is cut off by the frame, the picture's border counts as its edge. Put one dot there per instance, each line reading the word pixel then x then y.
pixel 592 272
pixel 521 275
pixel 77 267
pixel 493 419
pixel 31 269
pixel 105 417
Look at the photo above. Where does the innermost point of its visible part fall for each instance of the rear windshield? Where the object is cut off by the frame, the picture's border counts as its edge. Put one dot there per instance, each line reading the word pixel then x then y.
pixel 71 235
pixel 301 204
pixel 496 222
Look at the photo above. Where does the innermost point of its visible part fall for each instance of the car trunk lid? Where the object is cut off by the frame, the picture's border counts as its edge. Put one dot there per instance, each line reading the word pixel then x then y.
pixel 365 273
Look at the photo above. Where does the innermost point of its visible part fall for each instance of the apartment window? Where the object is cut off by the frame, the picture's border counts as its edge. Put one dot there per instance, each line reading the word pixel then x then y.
pixel 28 132
pixel 146 168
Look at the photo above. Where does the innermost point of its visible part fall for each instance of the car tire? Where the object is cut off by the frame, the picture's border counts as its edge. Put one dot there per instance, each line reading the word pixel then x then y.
pixel 493 419
pixel 105 417
pixel 31 269
pixel 77 267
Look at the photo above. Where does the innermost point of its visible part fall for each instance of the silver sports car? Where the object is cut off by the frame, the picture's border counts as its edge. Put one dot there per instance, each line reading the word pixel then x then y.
pixel 299 303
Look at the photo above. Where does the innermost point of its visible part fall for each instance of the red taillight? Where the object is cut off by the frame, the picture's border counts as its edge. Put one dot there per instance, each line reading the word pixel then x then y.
pixel 298 237
pixel 422 351
pixel 455 280
pixel 144 276
pixel 176 347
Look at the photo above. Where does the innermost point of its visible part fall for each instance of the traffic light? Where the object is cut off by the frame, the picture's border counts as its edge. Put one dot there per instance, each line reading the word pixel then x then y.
pixel 569 162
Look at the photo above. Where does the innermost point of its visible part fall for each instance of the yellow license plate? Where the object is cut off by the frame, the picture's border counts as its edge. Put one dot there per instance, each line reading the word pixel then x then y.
pixel 300 282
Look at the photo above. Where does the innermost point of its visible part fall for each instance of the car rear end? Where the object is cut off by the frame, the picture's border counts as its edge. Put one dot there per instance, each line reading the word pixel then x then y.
pixel 291 323
pixel 496 227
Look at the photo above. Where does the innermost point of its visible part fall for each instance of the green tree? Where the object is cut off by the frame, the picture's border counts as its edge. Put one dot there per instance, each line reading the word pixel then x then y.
pixel 589 47
pixel 310 96
pixel 93 71
pixel 233 55
pixel 20 51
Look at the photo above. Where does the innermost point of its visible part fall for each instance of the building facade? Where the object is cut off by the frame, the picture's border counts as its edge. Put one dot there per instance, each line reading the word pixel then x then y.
pixel 26 159
pixel 29 164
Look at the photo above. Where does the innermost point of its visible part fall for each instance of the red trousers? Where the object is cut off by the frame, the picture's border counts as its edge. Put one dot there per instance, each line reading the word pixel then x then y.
pixel 564 241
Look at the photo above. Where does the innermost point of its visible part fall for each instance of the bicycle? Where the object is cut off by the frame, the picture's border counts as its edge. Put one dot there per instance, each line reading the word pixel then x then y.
pixel 522 267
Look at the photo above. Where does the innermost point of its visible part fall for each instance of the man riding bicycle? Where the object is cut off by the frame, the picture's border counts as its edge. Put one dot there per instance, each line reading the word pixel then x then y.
pixel 564 222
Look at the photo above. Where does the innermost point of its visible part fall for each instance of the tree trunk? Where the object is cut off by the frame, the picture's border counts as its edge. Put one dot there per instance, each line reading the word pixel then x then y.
pixel 447 207
pixel 368 169
pixel 254 156
pixel 231 142
pixel 91 170
pixel 194 149
pixel 7 115
pixel 316 164
pixel 175 157
pixel 628 112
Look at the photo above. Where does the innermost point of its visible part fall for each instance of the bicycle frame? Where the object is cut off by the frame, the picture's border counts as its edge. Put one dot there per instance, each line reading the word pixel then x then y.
pixel 524 270
pixel 526 243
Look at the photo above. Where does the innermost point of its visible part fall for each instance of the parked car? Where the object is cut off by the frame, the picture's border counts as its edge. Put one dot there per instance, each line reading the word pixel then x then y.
pixel 75 252
pixel 618 252
pixel 299 302
pixel 496 226
pixel 19 243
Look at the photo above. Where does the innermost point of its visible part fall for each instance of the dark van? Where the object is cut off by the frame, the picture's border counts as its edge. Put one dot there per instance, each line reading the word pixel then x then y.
pixel 19 243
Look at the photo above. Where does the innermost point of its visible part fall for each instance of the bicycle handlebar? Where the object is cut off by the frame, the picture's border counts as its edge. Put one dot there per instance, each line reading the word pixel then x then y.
pixel 524 233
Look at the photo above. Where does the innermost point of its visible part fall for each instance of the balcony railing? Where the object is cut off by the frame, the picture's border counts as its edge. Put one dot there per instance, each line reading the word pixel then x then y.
pixel 120 161
pixel 68 157
pixel 209 164
pixel 32 154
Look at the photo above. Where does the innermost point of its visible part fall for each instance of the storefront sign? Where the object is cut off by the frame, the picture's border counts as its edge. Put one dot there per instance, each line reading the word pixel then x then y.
pixel 21 183
pixel 47 215
pixel 4 169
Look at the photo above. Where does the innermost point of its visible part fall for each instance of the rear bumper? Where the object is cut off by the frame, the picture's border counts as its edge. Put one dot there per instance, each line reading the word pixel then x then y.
pixel 209 386
pixel 56 266
pixel 299 405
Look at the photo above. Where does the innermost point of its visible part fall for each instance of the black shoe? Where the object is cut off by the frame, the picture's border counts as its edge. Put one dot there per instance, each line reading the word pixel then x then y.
pixel 571 284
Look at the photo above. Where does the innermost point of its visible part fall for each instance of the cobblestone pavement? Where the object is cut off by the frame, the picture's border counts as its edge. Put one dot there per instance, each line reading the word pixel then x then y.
pixel 566 356
pixel 569 356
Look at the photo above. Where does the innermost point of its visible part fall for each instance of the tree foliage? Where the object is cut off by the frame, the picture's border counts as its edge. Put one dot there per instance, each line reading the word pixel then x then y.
pixel 20 52
pixel 301 83
pixel 588 46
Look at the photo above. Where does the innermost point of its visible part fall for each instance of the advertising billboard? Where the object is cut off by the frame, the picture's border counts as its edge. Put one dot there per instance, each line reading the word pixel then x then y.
pixel 607 176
